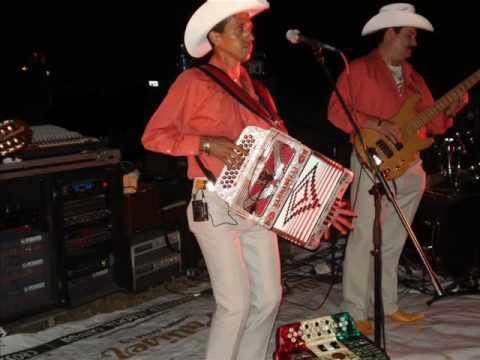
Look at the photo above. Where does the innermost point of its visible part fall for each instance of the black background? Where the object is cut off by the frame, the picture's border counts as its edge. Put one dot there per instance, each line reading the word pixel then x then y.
pixel 101 55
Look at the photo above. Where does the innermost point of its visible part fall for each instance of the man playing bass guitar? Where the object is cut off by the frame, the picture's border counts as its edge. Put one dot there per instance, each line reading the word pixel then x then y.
pixel 378 86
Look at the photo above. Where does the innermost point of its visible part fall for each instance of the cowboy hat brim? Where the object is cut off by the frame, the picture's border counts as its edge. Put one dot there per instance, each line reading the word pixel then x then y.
pixel 210 14
pixel 390 19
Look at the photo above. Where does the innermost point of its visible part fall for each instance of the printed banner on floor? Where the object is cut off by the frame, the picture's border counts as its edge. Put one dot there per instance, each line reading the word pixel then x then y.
pixel 147 333
pixel 175 327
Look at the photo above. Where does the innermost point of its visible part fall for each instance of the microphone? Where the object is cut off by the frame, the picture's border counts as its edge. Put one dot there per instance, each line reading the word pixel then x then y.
pixel 295 37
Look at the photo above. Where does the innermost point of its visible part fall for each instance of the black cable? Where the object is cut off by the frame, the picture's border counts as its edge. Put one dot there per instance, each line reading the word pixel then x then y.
pixel 330 252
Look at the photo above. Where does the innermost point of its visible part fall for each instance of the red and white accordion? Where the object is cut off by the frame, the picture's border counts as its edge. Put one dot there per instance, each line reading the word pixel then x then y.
pixel 284 186
pixel 325 338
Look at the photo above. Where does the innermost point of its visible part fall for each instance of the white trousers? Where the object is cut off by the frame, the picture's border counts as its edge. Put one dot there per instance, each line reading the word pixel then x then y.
pixel 243 262
pixel 358 265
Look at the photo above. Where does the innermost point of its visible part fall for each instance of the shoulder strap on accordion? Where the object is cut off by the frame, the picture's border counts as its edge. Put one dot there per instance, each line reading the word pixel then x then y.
pixel 263 109
pixel 266 110
pixel 207 172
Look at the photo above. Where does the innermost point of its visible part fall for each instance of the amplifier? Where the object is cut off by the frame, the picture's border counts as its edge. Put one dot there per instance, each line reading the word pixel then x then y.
pixel 87 239
pixel 38 268
pixel 84 188
pixel 87 217
pixel 154 256
pixel 142 209
pixel 25 272
pixel 88 209
pixel 91 286
pixel 75 207
pixel 21 244
pixel 26 298
pixel 80 266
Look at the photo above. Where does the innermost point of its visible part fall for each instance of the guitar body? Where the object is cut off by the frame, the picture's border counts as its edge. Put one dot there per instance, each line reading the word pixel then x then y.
pixel 395 158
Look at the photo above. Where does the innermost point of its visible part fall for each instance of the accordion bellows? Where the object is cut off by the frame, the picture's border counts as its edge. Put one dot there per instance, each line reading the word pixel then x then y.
pixel 284 186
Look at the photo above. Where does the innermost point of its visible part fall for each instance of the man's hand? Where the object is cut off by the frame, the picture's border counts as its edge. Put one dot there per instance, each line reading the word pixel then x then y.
pixel 389 129
pixel 340 217
pixel 224 150
pixel 456 106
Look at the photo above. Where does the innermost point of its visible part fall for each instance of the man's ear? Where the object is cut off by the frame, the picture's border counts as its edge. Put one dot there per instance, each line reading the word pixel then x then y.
pixel 214 37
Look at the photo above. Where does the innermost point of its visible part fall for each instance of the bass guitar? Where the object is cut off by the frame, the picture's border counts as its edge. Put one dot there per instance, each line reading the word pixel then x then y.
pixel 393 159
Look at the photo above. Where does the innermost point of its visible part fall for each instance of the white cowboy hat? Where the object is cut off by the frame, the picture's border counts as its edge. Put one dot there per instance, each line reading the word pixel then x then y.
pixel 396 15
pixel 210 14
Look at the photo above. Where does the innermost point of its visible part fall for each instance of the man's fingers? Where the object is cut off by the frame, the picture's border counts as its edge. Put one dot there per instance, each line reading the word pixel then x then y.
pixel 344 221
pixel 340 228
pixel 346 212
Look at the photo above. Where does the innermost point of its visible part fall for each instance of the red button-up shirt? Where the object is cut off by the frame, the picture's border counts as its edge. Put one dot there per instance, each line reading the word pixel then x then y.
pixel 197 106
pixel 375 94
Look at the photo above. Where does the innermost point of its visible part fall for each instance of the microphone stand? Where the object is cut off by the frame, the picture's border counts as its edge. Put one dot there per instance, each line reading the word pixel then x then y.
pixel 379 189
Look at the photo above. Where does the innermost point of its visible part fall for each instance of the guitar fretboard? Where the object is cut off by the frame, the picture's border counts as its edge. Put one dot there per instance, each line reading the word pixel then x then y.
pixel 445 101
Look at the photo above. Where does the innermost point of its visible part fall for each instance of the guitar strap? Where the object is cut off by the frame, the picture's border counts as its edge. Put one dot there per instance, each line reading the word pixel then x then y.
pixel 263 108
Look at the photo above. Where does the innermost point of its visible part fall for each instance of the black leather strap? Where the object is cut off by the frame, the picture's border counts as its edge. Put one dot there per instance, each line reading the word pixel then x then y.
pixel 265 109
pixel 236 91
pixel 207 172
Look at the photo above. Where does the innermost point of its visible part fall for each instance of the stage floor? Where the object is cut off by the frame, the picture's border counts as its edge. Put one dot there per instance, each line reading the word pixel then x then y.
pixel 174 326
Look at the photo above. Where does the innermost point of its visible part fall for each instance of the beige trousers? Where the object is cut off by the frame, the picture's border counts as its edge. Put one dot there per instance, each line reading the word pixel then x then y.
pixel 243 262
pixel 358 265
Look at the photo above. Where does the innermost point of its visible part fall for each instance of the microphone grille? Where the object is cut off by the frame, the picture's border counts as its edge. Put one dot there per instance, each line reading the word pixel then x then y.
pixel 293 36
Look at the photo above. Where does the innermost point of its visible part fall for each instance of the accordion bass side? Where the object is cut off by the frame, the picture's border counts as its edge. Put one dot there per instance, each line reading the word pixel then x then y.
pixel 284 186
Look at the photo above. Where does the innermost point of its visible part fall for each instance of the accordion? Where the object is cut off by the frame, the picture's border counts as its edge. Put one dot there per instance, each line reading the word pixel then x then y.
pixel 283 186
pixel 326 338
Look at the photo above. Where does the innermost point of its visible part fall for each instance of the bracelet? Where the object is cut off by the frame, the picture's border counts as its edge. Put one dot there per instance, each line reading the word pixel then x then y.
pixel 206 147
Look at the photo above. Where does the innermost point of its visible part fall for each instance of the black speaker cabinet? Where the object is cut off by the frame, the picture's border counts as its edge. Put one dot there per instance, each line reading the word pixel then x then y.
pixel 142 209
pixel 445 225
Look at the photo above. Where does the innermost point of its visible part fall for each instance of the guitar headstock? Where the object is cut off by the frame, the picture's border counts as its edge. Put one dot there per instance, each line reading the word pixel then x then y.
pixel 14 136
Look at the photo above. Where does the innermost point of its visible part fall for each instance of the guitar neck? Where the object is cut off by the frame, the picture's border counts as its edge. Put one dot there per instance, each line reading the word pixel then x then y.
pixel 445 101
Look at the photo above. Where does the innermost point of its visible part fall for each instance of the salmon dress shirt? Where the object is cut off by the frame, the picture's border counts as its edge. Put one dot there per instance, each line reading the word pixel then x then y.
pixel 376 94
pixel 195 106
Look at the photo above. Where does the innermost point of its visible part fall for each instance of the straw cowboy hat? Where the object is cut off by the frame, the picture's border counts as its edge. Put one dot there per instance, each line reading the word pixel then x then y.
pixel 210 14
pixel 396 15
